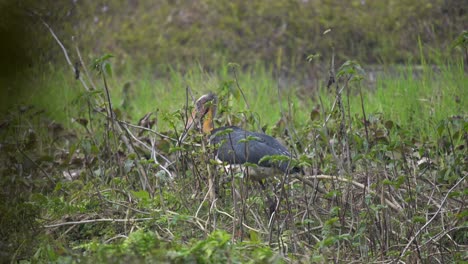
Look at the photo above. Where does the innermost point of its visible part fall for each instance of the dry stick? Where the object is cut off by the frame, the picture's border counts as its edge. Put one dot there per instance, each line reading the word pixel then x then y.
pixel 437 237
pixel 331 110
pixel 111 220
pixel 200 206
pixel 112 121
pixel 143 175
pixel 257 219
pixel 84 65
pixel 152 149
pixel 367 133
pixel 129 145
pixel 64 51
pixel 211 180
pixel 348 151
pixel 182 137
pixel 331 81
pixel 240 89
pixel 364 115
pixel 149 130
pixel 98 220
pixel 212 207
pixel 342 117
pixel 197 221
pixel 245 225
pixel 394 206
pixel 432 218
pixel 411 187
pixel 153 155
pixel 124 205
pixel 93 86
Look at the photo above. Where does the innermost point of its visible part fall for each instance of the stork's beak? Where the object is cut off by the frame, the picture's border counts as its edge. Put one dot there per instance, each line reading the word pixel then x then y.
pixel 189 125
pixel 202 114
pixel 191 121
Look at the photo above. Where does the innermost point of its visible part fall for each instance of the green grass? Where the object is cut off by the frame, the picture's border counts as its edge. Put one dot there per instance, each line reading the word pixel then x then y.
pixel 168 93
pixel 107 184
pixel 51 89
pixel 421 102
pixel 415 99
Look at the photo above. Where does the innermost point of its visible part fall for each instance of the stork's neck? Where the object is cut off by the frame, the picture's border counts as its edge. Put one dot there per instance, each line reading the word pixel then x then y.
pixel 208 121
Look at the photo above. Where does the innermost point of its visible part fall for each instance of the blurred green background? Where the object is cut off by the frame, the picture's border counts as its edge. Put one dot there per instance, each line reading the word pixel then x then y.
pixel 156 37
pixel 210 32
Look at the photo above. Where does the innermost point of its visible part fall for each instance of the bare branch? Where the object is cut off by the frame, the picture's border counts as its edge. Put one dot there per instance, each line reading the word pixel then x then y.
pixel 99 220
pixel 67 58
pixel 394 206
pixel 432 218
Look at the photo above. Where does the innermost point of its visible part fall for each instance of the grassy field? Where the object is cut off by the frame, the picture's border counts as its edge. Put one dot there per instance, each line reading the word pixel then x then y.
pixel 391 166
pixel 96 166
pixel 415 97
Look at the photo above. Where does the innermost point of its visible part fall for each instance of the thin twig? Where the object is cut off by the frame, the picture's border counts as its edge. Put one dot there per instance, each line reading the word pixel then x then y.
pixel 332 108
pixel 84 65
pixel 147 129
pixel 203 201
pixel 432 218
pixel 246 226
pixel 184 134
pixel 67 58
pixel 146 146
pixel 99 220
pixel 240 89
pixel 129 145
pixel 342 179
pixel 153 156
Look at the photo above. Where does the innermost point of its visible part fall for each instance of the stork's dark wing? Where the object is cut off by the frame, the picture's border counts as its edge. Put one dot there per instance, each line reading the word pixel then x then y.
pixel 237 146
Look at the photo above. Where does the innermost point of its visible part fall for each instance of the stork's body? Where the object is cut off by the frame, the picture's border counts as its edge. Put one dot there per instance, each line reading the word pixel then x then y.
pixel 238 146
pixel 235 145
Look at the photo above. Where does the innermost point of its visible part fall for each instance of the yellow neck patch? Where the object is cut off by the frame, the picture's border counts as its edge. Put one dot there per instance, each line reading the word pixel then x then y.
pixel 208 122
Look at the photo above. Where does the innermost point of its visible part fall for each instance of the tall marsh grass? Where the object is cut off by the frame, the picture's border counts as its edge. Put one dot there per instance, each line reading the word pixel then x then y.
pixel 414 97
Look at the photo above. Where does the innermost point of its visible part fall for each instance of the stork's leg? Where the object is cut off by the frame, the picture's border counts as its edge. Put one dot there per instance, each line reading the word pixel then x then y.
pixel 270 202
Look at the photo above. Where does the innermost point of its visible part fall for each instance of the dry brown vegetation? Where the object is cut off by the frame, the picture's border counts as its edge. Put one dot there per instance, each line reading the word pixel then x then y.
pixel 103 189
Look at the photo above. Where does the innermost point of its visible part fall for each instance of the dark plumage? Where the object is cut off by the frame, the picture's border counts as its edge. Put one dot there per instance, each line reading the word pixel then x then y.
pixel 240 146
pixel 235 145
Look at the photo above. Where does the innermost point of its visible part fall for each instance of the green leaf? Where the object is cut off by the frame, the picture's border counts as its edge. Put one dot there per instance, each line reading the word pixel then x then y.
pixel 249 138
pixel 128 165
pixel 461 40
pixel 312 57
pixel 419 219
pixel 254 237
pixel 141 194
pixel 108 69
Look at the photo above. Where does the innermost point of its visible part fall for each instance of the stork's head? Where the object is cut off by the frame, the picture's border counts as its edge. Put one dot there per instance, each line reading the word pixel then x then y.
pixel 203 114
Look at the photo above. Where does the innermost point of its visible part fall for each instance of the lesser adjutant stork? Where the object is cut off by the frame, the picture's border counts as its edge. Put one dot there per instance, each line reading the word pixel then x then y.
pixel 236 145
